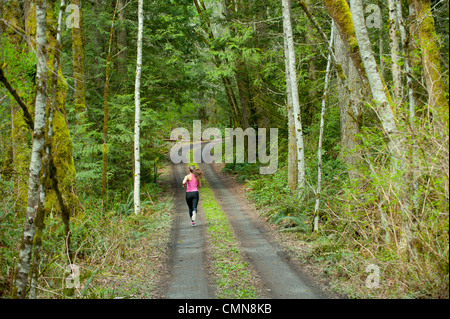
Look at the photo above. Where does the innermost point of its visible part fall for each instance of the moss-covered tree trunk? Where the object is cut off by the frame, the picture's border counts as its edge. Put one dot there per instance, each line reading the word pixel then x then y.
pixel 437 98
pixel 350 102
pixel 25 253
pixel 395 49
pixel 342 17
pixel 20 151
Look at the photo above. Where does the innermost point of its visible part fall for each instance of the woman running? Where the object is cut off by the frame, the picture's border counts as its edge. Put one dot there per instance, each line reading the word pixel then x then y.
pixel 192 182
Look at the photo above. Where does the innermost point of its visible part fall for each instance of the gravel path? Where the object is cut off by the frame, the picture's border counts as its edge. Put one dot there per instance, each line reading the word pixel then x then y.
pixel 188 266
pixel 280 278
pixel 188 278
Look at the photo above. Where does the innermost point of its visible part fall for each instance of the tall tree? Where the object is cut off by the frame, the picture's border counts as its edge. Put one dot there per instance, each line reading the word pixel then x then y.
pixel 292 73
pixel 319 148
pixel 37 151
pixel 292 138
pixel 78 64
pixel 437 97
pixel 395 49
pixel 137 119
pixel 353 31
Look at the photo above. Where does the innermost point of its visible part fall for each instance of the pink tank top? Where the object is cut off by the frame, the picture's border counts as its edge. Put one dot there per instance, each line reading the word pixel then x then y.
pixel 192 185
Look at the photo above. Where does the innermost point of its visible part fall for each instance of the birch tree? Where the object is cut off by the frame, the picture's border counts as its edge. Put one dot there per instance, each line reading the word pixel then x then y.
pixel 37 152
pixel 292 82
pixel 49 171
pixel 319 148
pixel 292 140
pixel 380 95
pixel 137 119
pixel 395 48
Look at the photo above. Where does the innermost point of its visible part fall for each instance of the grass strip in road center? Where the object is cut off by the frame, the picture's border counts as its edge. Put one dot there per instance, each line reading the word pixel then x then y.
pixel 233 277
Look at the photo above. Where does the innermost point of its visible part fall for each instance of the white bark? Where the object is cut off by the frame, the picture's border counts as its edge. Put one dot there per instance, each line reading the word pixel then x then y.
pixel 47 155
pixel 401 24
pixel 395 50
pixel 292 140
pixel 37 151
pixel 290 56
pixel 319 148
pixel 379 95
pixel 137 119
pixel 387 118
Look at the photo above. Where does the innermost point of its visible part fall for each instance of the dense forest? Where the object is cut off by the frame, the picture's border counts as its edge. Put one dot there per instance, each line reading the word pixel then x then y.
pixel 91 90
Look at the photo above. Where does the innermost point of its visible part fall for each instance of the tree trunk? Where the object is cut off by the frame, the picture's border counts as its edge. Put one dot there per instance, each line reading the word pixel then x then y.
pixel 244 92
pixel 49 173
pixel 137 119
pixel 430 60
pixel 379 92
pixel 290 56
pixel 395 49
pixel 292 139
pixel 350 106
pixel 37 152
pixel 78 66
pixel 342 17
pixel 319 148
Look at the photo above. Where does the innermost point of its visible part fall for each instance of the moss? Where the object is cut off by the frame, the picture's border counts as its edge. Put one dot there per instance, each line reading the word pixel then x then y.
pixel 12 13
pixel 8 165
pixel 430 60
pixel 353 45
pixel 30 20
pixel 341 14
pixel 21 139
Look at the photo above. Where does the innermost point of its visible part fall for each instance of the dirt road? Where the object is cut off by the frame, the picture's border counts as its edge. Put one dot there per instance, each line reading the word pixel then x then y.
pixel 188 265
pixel 188 278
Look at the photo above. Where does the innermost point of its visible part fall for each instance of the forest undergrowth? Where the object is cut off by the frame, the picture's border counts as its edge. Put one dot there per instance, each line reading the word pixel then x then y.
pixel 117 254
pixel 352 241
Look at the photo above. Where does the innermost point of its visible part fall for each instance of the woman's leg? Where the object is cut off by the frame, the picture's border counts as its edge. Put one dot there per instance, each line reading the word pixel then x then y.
pixel 195 198
pixel 189 202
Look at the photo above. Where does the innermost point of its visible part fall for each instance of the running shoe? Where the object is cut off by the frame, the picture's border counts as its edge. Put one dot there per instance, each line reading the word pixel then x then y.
pixel 194 214
pixel 193 224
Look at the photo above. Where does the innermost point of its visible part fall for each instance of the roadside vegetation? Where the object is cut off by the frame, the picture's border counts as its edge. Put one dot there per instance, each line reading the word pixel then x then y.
pixel 117 254
pixel 89 96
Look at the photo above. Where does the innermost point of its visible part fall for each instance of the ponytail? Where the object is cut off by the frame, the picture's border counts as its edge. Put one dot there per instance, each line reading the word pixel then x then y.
pixel 196 171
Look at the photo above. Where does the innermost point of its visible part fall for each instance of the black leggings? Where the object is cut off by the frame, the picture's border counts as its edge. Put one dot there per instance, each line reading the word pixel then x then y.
pixel 192 201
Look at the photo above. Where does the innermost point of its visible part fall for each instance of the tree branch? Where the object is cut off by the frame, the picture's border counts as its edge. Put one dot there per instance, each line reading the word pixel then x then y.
pixel 26 113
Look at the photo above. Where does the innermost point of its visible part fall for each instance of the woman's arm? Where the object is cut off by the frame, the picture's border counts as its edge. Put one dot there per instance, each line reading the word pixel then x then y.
pixel 186 178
